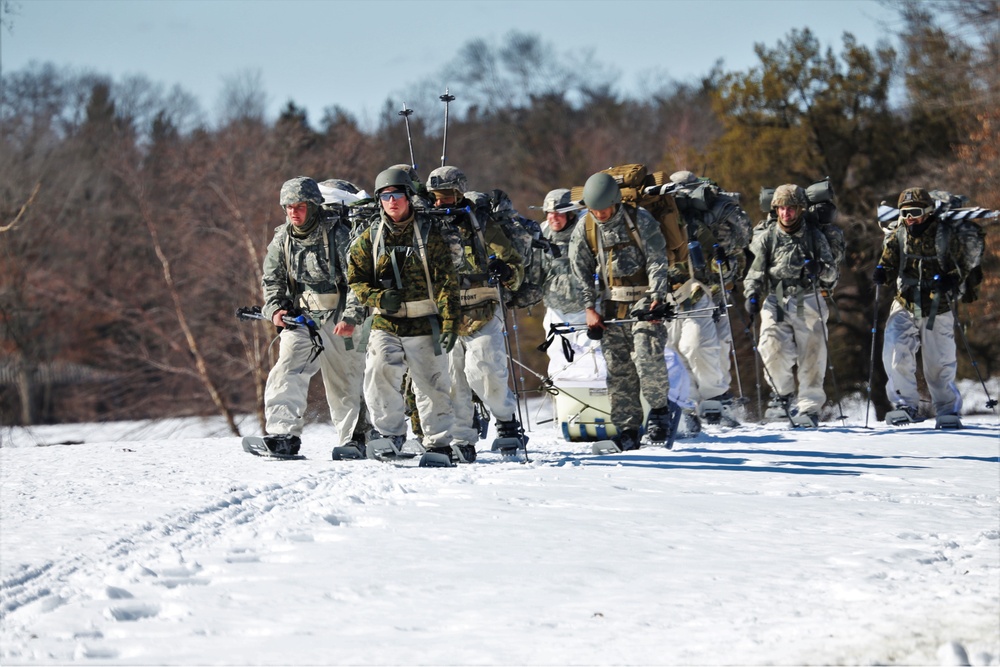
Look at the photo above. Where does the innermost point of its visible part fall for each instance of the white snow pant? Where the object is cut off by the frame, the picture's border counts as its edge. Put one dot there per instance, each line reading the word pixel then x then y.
pixel 797 341
pixel 904 335
pixel 479 364
pixel 389 357
pixel 287 389
pixel 696 338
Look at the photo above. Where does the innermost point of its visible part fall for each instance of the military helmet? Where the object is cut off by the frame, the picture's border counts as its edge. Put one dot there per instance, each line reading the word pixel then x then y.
pixel 557 199
pixel 394 177
pixel 789 195
pixel 447 178
pixel 912 197
pixel 300 189
pixel 408 168
pixel 601 191
pixel 340 184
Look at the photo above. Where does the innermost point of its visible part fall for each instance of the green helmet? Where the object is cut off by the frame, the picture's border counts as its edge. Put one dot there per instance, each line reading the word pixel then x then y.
pixel 557 199
pixel 601 191
pixel 299 189
pixel 394 177
pixel 789 195
pixel 447 178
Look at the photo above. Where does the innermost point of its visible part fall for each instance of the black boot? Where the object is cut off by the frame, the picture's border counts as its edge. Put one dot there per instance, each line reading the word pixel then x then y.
pixel 283 444
pixel 658 424
pixel 627 439
pixel 511 429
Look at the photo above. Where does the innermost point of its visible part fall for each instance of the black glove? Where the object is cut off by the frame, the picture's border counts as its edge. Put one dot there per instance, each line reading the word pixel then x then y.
pixel 663 311
pixel 879 276
pixel 947 283
pixel 448 340
pixel 595 333
pixel 753 304
pixel 499 269
pixel 391 300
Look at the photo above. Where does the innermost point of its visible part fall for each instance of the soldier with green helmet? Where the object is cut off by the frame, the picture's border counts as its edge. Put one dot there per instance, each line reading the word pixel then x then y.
pixel 792 259
pixel 626 270
pixel 484 259
pixel 401 268
pixel 928 262
pixel 305 272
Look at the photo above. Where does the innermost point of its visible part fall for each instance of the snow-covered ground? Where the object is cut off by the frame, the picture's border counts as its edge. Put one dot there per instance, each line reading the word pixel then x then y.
pixel 164 543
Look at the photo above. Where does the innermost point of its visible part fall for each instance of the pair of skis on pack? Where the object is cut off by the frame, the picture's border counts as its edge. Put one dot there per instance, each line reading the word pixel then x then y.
pixel 385 450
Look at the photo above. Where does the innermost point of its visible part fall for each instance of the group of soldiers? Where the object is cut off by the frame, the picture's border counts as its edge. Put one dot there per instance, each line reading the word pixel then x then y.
pixel 408 294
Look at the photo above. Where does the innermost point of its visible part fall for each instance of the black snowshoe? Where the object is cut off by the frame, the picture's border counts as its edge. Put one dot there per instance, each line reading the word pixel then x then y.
pixel 280 446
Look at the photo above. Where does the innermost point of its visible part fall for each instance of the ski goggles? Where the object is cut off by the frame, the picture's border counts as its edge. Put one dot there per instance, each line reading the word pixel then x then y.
pixel 913 212
pixel 389 196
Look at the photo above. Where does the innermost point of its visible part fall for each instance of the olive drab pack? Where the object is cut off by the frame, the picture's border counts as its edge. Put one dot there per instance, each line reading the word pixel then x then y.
pixel 960 240
pixel 522 233
pixel 635 183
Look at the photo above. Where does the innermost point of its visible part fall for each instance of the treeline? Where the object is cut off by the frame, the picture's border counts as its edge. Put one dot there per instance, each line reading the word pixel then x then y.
pixel 130 229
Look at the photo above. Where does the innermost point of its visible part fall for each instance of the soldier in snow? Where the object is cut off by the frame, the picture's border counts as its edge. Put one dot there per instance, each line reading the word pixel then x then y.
pixel 305 273
pixel 718 231
pixel 792 259
pixel 931 264
pixel 618 255
pixel 484 259
pixel 401 268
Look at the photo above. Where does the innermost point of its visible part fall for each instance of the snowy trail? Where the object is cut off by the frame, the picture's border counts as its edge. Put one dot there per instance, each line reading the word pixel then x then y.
pixel 752 546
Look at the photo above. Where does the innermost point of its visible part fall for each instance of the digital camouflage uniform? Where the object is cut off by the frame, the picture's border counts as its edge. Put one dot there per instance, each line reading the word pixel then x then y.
pixel 398 344
pixel 921 317
pixel 309 273
pixel 633 352
pixel 792 319
pixel 713 219
pixel 479 363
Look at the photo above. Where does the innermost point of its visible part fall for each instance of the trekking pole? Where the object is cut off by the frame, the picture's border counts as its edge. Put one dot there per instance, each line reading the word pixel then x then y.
pixel 406 113
pixel 990 402
pixel 447 99
pixel 756 362
pixel 871 361
pixel 720 256
pixel 517 348
pixel 246 313
pixel 510 362
pixel 829 357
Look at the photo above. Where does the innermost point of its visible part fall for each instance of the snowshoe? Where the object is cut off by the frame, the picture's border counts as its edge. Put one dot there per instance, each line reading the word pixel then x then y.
pixel 510 438
pixel 387 448
pixel 902 414
pixel 947 421
pixel 710 411
pixel 441 456
pixel 351 451
pixel 623 442
pixel 282 446
pixel 662 423
pixel 692 425
pixel 805 420
pixel 778 408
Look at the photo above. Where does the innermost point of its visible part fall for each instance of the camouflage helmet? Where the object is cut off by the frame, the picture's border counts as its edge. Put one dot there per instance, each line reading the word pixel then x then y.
pixel 411 172
pixel 601 191
pixel 557 199
pixel 394 177
pixel 340 184
pixel 912 197
pixel 789 195
pixel 447 178
pixel 300 189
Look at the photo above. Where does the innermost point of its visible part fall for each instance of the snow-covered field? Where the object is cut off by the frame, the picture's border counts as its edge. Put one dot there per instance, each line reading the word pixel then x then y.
pixel 164 543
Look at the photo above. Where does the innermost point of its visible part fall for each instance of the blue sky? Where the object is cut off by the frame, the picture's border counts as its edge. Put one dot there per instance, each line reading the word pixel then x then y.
pixel 357 54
